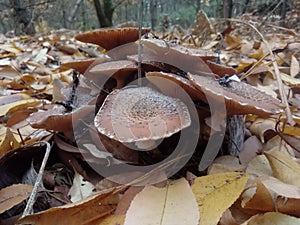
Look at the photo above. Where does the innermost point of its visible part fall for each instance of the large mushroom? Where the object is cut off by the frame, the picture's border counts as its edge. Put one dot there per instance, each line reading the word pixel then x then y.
pixel 141 115
pixel 112 37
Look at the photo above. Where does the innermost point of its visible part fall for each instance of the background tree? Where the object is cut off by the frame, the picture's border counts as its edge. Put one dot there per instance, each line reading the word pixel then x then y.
pixel 23 16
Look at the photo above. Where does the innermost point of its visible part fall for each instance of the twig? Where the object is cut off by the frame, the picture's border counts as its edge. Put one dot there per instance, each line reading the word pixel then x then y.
pixel 276 71
pixel 29 207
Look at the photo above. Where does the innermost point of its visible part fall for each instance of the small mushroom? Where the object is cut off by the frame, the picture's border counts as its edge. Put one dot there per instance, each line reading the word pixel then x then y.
pixel 240 98
pixel 111 38
pixel 141 115
pixel 120 70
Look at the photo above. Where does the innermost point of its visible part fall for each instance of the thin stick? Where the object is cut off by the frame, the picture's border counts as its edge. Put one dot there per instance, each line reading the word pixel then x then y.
pixel 276 71
pixel 140 15
pixel 29 207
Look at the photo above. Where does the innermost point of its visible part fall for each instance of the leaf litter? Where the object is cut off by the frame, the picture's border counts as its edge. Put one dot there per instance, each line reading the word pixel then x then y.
pixel 41 101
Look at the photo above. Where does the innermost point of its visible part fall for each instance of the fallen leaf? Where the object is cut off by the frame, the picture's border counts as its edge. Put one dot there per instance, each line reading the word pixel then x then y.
pixel 263 128
pixel 74 213
pixel 295 67
pixel 251 147
pixel 175 205
pixel 272 218
pixel 80 189
pixel 259 166
pixel 284 168
pixel 216 193
pixel 7 141
pixel 226 163
pixel 13 195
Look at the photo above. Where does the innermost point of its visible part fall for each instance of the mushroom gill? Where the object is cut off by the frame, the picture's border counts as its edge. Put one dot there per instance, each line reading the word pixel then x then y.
pixel 141 115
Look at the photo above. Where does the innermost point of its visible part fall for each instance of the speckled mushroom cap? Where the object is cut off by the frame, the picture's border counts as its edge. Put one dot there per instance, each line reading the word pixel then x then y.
pixel 240 97
pixel 137 114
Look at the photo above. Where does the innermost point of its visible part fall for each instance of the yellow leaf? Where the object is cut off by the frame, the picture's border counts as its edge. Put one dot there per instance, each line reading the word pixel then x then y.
pixel 262 127
pixel 272 218
pixel 10 48
pixel 295 67
pixel 173 205
pixel 14 106
pixel 258 54
pixel 232 41
pixel 110 220
pixel 284 168
pixel 7 142
pixel 216 193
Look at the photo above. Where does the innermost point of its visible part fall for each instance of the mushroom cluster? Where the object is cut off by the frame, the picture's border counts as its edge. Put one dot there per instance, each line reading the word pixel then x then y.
pixel 142 115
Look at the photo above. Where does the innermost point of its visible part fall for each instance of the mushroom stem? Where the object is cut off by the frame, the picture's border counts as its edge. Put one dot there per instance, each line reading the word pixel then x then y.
pixel 145 145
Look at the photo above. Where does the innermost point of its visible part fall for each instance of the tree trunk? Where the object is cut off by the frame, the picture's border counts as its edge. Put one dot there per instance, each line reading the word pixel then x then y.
pixel 105 12
pixel 227 8
pixel 283 12
pixel 23 16
pixel 153 13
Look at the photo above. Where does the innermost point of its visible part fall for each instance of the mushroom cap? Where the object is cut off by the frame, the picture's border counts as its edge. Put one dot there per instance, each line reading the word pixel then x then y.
pixel 240 98
pixel 80 65
pixel 141 114
pixel 111 38
pixel 161 51
pixel 221 70
pixel 158 45
pixel 119 70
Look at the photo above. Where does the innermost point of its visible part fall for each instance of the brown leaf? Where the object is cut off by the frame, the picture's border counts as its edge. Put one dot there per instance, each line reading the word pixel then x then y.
pixel 79 213
pixel 13 195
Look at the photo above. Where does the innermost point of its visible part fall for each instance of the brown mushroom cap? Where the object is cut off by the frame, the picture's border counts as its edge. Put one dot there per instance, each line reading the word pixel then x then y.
pixel 119 70
pixel 161 52
pixel 111 38
pixel 159 45
pixel 221 70
pixel 80 65
pixel 139 114
pixel 240 98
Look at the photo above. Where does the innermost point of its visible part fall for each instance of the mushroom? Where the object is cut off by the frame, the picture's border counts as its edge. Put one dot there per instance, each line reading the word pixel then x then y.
pixel 162 45
pixel 158 52
pixel 221 70
pixel 187 86
pixel 120 70
pixel 111 38
pixel 81 65
pixel 141 115
pixel 240 98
